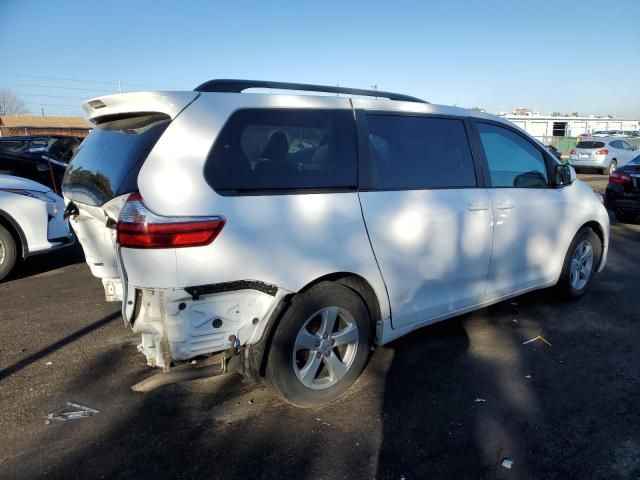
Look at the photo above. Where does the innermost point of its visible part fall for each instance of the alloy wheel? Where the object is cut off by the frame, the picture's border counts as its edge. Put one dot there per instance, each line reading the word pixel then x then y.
pixel 325 348
pixel 581 265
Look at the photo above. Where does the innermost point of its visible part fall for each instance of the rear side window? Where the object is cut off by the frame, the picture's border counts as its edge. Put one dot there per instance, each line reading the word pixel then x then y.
pixel 284 150
pixel 589 144
pixel 512 160
pixel 410 152
pixel 108 161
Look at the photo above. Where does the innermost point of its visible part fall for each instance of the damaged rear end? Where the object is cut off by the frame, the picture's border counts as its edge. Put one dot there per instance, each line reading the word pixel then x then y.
pixel 133 250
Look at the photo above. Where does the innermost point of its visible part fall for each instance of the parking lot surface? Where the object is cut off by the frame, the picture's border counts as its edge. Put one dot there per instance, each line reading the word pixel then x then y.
pixel 453 400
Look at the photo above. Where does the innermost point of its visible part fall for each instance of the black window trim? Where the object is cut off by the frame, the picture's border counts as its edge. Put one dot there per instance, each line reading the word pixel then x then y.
pixel 363 149
pixel 249 192
pixel 550 163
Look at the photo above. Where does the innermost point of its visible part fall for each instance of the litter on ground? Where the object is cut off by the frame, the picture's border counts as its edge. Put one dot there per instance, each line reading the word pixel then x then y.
pixel 507 463
pixel 539 337
pixel 71 411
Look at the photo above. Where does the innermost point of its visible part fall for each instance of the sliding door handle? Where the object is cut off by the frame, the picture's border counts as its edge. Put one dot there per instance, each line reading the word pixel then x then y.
pixel 478 206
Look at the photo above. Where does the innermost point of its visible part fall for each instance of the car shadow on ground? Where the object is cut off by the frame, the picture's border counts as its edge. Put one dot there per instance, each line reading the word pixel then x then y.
pixel 39 264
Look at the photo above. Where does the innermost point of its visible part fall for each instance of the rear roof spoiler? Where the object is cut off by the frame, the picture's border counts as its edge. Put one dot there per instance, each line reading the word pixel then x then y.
pixel 169 103
pixel 238 86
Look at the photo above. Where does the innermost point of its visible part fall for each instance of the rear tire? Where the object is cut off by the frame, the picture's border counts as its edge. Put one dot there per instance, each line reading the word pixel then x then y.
pixel 320 346
pixel 580 264
pixel 8 252
pixel 612 167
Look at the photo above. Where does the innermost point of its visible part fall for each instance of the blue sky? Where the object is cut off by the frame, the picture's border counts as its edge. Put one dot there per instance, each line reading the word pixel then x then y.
pixel 551 55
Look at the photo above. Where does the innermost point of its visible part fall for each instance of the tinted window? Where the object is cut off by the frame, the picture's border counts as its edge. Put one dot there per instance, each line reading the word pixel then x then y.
pixel 615 144
pixel 625 145
pixel 589 144
pixel 107 162
pixel 635 161
pixel 409 152
pixel 512 160
pixel 278 149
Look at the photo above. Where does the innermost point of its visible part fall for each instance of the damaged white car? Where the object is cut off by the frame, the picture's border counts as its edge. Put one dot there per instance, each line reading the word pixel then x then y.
pixel 291 234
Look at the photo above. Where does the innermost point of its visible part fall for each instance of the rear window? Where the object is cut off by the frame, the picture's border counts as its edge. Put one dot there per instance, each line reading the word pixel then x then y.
pixel 284 150
pixel 409 152
pixel 108 161
pixel 589 144
pixel 32 169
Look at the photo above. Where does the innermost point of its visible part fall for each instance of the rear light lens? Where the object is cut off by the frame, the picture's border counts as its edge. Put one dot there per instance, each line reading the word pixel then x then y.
pixel 602 152
pixel 138 227
pixel 619 177
pixel 572 152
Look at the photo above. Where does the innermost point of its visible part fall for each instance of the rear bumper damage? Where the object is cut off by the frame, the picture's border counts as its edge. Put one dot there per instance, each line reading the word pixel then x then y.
pixel 183 324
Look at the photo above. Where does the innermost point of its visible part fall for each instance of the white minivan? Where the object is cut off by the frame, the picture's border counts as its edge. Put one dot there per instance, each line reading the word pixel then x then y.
pixel 294 233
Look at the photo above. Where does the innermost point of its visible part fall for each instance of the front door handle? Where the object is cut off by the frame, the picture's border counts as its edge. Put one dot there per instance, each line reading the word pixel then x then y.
pixel 505 205
pixel 478 206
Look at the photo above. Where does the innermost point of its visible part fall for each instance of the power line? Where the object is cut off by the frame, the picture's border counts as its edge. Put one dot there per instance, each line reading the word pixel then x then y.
pixel 50 96
pixel 61 88
pixel 52 104
pixel 104 82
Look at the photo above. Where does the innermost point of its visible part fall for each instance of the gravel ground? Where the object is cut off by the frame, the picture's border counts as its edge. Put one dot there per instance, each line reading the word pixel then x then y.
pixel 451 400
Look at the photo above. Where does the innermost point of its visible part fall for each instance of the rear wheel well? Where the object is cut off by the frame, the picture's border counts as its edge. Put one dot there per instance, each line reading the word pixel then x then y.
pixel 260 351
pixel 359 285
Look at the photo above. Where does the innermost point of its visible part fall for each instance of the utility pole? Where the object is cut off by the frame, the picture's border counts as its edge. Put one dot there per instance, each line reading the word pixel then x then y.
pixel 119 87
pixel 42 108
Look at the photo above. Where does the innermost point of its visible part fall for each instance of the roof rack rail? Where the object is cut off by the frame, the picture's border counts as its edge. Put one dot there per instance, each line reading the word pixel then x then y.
pixel 238 86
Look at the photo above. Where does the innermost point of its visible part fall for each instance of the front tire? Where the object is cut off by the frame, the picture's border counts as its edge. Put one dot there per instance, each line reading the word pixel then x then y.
pixel 580 263
pixel 320 346
pixel 8 252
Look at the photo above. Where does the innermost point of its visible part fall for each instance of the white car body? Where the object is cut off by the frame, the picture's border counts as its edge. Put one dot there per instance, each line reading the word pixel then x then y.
pixel 421 255
pixel 34 215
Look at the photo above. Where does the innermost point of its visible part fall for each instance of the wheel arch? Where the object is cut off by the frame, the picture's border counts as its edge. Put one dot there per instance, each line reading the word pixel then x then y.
pixel 258 353
pixel 8 222
pixel 360 286
pixel 599 231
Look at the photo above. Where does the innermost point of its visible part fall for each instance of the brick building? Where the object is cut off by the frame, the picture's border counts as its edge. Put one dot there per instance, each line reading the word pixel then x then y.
pixel 11 125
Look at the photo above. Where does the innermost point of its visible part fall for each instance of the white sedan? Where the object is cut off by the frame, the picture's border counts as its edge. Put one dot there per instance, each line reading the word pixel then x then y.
pixel 31 221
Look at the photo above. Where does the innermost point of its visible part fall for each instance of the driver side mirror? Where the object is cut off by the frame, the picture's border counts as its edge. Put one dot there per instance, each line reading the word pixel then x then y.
pixel 565 175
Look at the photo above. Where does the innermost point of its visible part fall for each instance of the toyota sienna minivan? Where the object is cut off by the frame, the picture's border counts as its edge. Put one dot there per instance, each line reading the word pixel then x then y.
pixel 291 234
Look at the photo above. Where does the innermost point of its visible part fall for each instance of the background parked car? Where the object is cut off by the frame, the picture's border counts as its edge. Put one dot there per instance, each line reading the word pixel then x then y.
pixel 58 147
pixel 603 154
pixel 31 221
pixel 38 167
pixel 623 191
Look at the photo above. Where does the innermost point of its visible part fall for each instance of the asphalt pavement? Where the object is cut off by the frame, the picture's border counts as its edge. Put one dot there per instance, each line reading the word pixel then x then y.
pixel 450 401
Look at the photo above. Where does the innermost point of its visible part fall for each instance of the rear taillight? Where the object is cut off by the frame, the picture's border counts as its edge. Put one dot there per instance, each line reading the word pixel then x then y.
pixel 572 152
pixel 602 152
pixel 619 177
pixel 138 227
